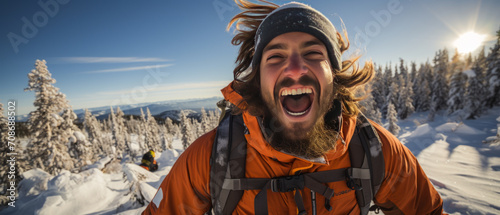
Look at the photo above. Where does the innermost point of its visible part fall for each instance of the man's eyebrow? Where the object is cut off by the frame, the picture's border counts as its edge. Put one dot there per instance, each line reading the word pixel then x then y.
pixel 274 46
pixel 311 43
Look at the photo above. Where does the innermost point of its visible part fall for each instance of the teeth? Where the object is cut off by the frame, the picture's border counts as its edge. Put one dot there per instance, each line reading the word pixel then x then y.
pixel 299 91
pixel 296 114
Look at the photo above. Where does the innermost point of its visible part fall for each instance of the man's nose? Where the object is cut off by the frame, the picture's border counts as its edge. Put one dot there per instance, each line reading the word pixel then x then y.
pixel 296 67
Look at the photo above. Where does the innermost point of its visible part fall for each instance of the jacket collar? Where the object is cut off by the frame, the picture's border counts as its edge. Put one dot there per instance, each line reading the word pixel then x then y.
pixel 256 139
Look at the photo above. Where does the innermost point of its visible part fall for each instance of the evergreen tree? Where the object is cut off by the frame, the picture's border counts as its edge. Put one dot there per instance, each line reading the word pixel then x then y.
pixel 413 74
pixel 457 92
pixel 456 65
pixel 186 131
pixel 47 148
pixel 493 74
pixel 406 102
pixel 166 140
pixel 152 133
pixel 204 122
pixel 468 61
pixel 475 95
pixel 195 128
pixel 403 71
pixel 392 119
pixel 379 89
pixel 78 146
pixel 169 124
pixel 370 109
pixel 422 89
pixel 93 129
pixel 391 98
pixel 118 133
pixel 439 85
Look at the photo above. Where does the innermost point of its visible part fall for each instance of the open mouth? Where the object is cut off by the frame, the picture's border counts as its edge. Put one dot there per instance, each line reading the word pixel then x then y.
pixel 296 101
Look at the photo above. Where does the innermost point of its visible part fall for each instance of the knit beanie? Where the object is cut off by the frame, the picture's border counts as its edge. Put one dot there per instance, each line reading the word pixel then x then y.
pixel 297 17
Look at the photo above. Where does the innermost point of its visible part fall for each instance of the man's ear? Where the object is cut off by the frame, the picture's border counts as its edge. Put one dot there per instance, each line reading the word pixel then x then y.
pixel 333 118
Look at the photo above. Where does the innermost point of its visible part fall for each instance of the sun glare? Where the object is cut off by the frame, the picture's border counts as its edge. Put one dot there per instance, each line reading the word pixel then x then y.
pixel 469 42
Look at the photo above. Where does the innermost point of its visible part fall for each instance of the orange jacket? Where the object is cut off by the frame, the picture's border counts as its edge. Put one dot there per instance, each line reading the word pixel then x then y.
pixel 185 190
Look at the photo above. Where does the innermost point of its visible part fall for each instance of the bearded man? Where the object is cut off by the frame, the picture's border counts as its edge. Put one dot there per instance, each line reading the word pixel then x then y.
pixel 297 100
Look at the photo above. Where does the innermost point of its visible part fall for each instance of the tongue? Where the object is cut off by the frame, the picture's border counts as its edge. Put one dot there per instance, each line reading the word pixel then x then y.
pixel 297 104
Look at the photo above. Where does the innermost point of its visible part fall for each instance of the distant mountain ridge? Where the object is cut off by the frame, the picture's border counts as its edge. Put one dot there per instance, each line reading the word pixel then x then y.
pixel 162 109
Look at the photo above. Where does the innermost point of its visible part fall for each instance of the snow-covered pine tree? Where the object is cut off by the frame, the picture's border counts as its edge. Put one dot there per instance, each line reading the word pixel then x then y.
pixel 475 94
pixel 439 85
pixel 170 125
pixel 456 64
pixel 457 92
pixel 47 149
pixel 195 128
pixel 166 138
pixel 152 134
pixel 413 74
pixel 142 134
pixel 379 89
pixel 457 84
pixel 118 132
pixel 482 67
pixel 421 89
pixel 468 61
pixel 186 130
pixel 391 98
pixel 403 72
pixel 214 118
pixel 392 120
pixel 93 129
pixel 370 109
pixel 406 102
pixel 493 74
pixel 204 122
pixel 78 146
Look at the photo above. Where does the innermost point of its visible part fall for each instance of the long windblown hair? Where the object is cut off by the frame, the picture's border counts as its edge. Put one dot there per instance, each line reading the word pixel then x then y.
pixel 247 79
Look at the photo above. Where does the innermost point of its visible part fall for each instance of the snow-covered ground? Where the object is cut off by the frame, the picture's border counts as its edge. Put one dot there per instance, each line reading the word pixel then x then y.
pixel 464 170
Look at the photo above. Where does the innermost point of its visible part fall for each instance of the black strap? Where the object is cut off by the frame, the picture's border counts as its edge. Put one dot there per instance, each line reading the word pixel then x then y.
pixel 367 163
pixel 227 161
pixel 314 181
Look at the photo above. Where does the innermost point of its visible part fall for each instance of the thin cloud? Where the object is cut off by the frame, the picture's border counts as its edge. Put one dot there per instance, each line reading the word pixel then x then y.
pixel 111 59
pixel 173 87
pixel 127 69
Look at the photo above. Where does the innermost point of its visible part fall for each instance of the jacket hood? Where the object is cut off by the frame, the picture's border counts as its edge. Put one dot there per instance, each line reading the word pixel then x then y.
pixel 256 139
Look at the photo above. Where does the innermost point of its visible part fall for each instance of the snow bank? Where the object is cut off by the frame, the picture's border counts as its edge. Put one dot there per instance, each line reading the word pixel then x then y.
pixel 167 157
pixel 423 130
pixel 34 182
pixel 458 128
pixel 66 193
pixel 100 164
pixel 136 173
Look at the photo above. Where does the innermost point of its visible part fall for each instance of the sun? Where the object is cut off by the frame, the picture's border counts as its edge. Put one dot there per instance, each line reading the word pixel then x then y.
pixel 469 42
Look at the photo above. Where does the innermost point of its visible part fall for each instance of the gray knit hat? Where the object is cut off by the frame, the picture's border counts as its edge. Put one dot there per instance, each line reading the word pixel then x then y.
pixel 297 17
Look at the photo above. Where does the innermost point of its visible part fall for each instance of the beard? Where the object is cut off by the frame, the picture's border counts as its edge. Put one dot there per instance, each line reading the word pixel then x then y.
pixel 316 142
pixel 311 143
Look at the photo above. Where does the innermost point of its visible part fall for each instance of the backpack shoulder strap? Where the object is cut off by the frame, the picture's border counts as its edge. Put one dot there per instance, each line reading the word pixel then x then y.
pixel 367 163
pixel 227 161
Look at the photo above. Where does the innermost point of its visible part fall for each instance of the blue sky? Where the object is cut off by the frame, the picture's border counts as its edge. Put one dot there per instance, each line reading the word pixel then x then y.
pixel 123 52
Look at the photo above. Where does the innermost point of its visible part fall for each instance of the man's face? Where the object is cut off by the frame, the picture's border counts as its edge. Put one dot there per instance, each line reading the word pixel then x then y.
pixel 296 82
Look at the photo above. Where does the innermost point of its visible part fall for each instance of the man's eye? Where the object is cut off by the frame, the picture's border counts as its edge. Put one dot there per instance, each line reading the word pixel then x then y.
pixel 274 57
pixel 312 53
